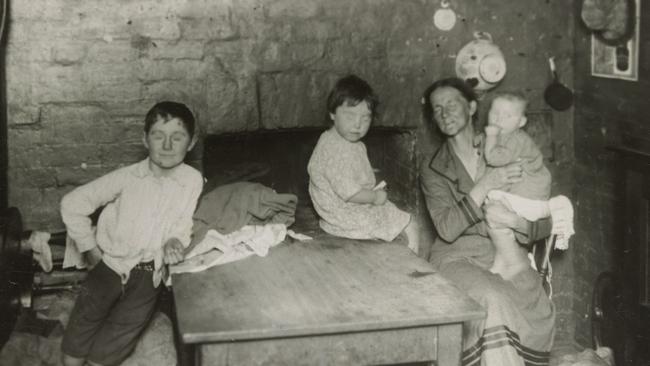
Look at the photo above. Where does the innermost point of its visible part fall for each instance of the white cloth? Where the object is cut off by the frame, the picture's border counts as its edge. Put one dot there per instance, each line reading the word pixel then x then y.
pixel 216 248
pixel 529 209
pixel 299 236
pixel 559 208
pixel 38 241
pixel 562 216
pixel 141 213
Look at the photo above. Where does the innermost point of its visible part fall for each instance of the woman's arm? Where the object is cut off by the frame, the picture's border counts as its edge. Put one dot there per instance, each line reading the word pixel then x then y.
pixel 451 216
pixel 499 216
pixel 496 178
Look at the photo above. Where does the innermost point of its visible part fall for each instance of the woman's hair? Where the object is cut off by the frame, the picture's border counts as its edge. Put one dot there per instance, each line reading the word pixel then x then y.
pixel 352 90
pixel 459 84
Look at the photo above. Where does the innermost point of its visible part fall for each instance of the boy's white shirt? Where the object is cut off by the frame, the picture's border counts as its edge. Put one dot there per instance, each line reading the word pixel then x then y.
pixel 141 213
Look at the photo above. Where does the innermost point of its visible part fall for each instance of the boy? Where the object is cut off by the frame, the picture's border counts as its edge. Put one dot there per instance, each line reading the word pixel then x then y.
pixel 146 222
pixel 505 143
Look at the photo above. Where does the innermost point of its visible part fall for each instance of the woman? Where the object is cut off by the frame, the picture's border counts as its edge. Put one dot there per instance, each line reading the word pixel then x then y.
pixel 518 329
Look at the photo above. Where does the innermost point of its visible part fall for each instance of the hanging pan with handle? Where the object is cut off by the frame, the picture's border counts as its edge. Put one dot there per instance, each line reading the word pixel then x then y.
pixel 557 95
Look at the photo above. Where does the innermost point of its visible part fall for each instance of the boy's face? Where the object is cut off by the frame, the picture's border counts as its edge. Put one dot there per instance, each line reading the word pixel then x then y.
pixel 352 122
pixel 507 115
pixel 168 143
pixel 451 110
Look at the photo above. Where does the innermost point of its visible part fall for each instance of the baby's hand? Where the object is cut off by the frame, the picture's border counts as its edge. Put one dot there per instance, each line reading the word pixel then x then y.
pixel 380 197
pixel 492 130
pixel 173 251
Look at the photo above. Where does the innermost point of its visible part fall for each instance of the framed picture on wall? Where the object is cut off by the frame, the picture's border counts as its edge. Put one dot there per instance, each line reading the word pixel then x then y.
pixel 617 61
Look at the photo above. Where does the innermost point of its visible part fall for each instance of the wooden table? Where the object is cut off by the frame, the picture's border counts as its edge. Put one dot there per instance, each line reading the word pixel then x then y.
pixel 329 301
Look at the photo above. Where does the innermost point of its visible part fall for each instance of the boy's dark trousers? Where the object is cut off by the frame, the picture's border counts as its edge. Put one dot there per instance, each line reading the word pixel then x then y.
pixel 108 317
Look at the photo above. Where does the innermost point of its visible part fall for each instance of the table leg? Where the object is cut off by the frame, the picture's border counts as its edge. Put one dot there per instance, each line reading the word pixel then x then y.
pixel 449 344
pixel 196 350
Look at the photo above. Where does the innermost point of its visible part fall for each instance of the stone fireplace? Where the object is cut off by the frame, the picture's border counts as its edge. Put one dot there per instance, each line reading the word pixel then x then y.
pixel 278 159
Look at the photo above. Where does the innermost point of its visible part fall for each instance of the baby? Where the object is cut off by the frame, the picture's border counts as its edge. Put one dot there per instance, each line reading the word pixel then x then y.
pixel 342 182
pixel 505 143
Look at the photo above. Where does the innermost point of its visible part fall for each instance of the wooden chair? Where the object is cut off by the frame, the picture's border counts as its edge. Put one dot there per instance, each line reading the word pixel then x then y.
pixel 542 251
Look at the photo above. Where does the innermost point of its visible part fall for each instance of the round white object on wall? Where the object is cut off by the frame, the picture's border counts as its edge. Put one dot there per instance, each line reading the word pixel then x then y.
pixel 444 18
pixel 492 68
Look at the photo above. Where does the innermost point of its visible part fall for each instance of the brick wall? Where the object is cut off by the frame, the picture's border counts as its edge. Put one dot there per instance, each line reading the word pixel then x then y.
pixel 81 75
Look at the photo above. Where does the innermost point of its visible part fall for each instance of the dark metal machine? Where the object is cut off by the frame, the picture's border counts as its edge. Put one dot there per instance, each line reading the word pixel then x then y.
pixel 21 279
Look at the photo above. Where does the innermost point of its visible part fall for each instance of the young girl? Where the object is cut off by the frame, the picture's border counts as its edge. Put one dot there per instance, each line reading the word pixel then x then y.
pixel 342 183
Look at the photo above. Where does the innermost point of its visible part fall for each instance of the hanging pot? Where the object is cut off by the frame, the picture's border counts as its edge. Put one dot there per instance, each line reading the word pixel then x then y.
pixel 481 63
pixel 558 96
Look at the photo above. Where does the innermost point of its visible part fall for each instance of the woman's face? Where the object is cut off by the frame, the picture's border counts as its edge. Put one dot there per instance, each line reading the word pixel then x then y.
pixel 452 112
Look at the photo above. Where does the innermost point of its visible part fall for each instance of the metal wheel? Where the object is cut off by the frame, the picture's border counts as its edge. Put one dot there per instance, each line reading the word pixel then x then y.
pixel 611 319
pixel 10 258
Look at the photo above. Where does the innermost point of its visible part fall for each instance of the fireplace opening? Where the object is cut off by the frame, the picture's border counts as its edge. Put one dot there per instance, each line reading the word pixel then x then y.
pixel 278 159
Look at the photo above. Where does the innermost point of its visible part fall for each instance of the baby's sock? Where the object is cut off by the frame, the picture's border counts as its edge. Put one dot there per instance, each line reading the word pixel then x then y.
pixel 412 232
pixel 531 210
pixel 562 215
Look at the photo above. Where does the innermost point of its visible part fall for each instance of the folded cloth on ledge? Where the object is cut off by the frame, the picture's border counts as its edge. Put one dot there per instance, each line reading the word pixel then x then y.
pixel 217 248
pixel 38 241
pixel 232 206
pixel 562 217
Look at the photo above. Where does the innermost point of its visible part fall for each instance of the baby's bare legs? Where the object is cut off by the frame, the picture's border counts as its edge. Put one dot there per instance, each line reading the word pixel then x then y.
pixel 531 210
pixel 72 361
pixel 510 258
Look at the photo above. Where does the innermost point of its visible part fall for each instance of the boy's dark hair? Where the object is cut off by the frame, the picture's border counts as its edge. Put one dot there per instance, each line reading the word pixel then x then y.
pixel 459 84
pixel 352 90
pixel 167 111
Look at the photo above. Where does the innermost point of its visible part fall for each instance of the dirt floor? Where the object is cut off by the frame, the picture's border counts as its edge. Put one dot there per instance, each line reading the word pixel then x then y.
pixel 36 338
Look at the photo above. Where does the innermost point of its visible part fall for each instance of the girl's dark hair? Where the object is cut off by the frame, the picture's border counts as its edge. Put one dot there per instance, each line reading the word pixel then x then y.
pixel 167 111
pixel 352 90
pixel 459 84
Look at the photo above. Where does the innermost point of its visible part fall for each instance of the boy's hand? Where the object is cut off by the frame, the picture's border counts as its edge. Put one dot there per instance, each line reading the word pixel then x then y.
pixel 93 257
pixel 173 251
pixel 380 197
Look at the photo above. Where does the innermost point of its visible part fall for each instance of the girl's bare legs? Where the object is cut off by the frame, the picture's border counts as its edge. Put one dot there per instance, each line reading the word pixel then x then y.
pixel 72 361
pixel 412 232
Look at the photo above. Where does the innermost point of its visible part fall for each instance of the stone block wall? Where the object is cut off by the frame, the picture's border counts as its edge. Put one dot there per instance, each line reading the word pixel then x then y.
pixel 82 74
